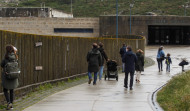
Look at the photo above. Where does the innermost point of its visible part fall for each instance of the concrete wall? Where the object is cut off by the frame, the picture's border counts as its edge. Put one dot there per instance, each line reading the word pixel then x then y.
pixel 139 24
pixel 45 26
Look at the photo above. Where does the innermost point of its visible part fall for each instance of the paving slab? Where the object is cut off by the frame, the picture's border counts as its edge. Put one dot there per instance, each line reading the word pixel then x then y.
pixel 111 95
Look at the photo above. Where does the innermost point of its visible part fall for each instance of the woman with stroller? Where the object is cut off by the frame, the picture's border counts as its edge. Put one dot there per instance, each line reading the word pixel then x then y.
pixel 160 58
pixel 9 84
pixel 139 66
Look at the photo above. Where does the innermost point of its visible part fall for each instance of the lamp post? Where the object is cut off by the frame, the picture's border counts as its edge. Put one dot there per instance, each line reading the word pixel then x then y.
pixel 117 19
pixel 131 6
pixel 71 6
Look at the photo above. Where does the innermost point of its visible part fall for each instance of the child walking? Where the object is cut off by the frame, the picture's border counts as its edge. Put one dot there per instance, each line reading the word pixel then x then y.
pixel 183 63
pixel 168 62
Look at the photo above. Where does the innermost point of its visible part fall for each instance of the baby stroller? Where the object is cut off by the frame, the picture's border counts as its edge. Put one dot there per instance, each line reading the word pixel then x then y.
pixel 111 70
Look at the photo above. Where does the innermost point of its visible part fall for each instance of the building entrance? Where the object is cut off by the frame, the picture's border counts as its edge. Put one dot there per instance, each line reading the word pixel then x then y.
pixel 169 35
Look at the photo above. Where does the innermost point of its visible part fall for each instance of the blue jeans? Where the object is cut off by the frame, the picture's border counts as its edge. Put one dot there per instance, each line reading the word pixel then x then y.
pixel 101 72
pixel 168 67
pixel 95 76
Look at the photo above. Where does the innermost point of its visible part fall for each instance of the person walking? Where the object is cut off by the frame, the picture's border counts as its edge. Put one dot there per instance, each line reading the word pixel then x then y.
pixel 129 59
pixel 168 62
pixel 122 52
pixel 94 60
pixel 9 80
pixel 104 56
pixel 160 58
pixel 139 66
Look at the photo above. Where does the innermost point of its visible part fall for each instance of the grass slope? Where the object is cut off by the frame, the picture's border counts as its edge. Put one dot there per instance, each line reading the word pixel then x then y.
pixel 94 8
pixel 176 95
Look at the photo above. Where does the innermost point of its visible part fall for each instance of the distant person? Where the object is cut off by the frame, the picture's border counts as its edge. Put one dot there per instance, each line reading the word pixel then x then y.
pixel 139 66
pixel 94 60
pixel 129 59
pixel 104 56
pixel 160 58
pixel 183 63
pixel 122 52
pixel 168 62
pixel 10 74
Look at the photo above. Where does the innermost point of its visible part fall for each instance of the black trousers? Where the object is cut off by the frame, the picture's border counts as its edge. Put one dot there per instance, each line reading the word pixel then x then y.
pixel 160 65
pixel 9 95
pixel 131 78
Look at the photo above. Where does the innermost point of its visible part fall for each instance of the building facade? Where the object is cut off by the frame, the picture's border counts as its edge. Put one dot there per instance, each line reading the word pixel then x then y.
pixel 73 27
pixel 171 30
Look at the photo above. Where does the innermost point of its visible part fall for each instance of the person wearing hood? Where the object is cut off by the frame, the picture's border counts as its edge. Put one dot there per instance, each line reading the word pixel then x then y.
pixel 122 52
pixel 129 59
pixel 139 66
pixel 9 84
pixel 94 60
pixel 104 56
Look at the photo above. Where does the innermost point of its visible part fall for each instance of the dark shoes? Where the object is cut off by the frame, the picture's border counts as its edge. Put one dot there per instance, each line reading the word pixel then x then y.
pixel 94 83
pixel 9 106
pixel 131 88
pixel 90 80
pixel 126 87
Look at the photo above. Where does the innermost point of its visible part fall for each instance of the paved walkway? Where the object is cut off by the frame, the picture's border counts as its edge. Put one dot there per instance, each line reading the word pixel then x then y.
pixel 111 95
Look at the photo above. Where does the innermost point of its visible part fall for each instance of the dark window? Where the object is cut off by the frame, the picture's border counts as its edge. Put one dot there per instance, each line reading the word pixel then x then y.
pixel 73 30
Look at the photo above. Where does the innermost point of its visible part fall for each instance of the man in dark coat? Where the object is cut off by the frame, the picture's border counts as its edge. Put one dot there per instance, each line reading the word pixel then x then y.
pixel 129 59
pixel 122 52
pixel 94 60
pixel 104 56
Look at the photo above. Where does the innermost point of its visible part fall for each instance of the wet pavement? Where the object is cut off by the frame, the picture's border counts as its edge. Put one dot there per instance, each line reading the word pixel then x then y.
pixel 111 95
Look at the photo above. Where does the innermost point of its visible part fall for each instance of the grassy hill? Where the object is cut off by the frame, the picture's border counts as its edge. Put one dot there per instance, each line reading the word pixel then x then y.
pixel 94 8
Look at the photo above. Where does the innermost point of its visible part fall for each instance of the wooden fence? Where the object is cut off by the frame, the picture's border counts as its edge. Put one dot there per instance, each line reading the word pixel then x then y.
pixel 59 57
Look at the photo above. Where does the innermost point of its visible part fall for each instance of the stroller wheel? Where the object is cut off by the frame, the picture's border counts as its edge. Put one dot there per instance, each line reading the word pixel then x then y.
pixel 117 78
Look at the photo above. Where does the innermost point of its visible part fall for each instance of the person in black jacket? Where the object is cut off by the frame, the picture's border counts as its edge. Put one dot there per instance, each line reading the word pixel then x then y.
pixel 139 66
pixel 129 59
pixel 104 56
pixel 122 52
pixel 94 60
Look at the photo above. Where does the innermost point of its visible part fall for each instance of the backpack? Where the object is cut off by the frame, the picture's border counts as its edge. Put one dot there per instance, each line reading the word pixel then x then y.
pixel 11 70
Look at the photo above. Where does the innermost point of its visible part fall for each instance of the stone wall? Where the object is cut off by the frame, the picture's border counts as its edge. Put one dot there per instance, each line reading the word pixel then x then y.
pixel 45 26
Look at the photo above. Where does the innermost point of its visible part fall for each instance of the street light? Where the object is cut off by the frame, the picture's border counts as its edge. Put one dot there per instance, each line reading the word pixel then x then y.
pixel 71 6
pixel 117 19
pixel 131 6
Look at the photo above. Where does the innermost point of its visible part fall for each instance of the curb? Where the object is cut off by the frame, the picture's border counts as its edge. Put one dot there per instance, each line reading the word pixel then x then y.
pixel 153 99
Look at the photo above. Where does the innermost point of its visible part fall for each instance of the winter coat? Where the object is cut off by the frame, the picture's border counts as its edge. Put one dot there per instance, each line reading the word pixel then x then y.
pixel 183 62
pixel 139 66
pixel 168 60
pixel 161 55
pixel 104 56
pixel 94 60
pixel 6 83
pixel 122 51
pixel 129 59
